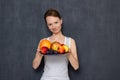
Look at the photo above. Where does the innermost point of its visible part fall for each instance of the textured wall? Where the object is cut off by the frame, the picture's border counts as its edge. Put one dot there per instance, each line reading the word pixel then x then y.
pixel 94 24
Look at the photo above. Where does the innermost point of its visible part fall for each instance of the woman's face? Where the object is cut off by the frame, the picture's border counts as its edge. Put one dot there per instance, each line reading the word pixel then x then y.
pixel 54 24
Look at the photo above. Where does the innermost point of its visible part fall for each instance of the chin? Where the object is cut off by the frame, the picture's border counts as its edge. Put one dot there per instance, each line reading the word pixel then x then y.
pixel 55 32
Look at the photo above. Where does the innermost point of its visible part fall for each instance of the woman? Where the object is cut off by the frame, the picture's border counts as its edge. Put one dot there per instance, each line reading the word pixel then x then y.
pixel 56 66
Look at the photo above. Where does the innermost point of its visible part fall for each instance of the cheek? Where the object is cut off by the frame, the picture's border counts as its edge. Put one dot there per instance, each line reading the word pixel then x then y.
pixel 60 25
pixel 49 28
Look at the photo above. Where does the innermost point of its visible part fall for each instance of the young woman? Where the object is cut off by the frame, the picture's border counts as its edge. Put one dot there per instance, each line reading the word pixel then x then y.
pixel 56 66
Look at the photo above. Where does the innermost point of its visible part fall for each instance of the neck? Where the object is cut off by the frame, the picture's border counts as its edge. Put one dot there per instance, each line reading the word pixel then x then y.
pixel 57 35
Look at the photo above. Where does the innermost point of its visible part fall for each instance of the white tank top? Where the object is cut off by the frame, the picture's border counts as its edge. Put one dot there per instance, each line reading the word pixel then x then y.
pixel 56 66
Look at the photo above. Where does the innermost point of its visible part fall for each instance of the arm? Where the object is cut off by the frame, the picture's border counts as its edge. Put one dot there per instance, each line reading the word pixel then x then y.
pixel 72 56
pixel 37 59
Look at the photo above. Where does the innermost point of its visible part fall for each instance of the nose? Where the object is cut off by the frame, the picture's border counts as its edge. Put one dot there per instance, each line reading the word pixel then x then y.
pixel 53 25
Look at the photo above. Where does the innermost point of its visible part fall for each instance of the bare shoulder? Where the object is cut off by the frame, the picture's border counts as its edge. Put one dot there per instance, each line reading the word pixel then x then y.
pixel 72 40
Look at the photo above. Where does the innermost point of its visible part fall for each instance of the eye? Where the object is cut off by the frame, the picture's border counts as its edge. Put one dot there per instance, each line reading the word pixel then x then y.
pixel 49 24
pixel 56 22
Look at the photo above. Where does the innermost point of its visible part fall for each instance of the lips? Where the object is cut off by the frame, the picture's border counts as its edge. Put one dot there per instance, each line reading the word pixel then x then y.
pixel 54 30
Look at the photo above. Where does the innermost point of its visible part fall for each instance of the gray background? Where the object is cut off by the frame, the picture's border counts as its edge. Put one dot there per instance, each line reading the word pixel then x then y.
pixel 94 24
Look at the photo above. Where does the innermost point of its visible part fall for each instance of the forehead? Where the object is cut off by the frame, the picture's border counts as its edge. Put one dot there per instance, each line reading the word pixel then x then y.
pixel 51 19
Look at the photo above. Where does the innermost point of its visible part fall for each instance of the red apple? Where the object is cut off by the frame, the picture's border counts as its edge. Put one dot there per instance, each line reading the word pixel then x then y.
pixel 44 50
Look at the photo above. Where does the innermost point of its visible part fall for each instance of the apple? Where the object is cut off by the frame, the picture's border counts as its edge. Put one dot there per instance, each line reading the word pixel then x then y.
pixel 66 48
pixel 55 46
pixel 44 50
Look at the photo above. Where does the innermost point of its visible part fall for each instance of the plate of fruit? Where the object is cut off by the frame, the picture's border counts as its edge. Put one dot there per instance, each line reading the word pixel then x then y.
pixel 51 48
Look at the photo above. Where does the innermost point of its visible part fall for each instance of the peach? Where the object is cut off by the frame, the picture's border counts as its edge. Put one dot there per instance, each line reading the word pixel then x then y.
pixel 61 49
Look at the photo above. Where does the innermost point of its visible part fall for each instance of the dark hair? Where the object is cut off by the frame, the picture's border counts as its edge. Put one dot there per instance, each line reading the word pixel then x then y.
pixel 51 12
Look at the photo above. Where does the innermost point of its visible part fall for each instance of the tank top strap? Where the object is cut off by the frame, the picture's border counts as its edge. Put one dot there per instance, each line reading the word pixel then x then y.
pixel 67 41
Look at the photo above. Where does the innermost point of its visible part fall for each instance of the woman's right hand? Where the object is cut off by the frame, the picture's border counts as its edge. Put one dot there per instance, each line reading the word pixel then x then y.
pixel 39 52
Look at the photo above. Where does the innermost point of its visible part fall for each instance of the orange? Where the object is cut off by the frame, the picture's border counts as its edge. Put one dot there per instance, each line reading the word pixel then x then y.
pixel 45 43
